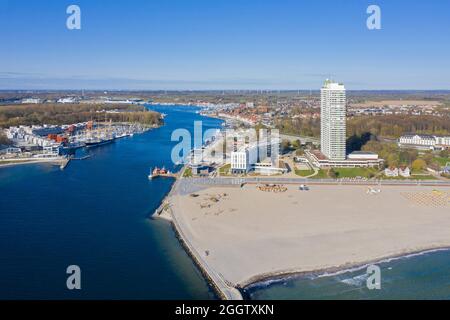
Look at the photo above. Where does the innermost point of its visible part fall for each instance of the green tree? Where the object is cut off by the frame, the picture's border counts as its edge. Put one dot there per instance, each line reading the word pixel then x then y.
pixel 419 165
pixel 285 145
pixel 406 157
pixel 428 157
pixel 296 144
pixel 392 160
pixel 3 139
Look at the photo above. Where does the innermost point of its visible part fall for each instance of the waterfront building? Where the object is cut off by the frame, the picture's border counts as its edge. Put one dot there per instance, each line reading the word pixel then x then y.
pixel 9 150
pixel 261 157
pixel 243 159
pixel 333 120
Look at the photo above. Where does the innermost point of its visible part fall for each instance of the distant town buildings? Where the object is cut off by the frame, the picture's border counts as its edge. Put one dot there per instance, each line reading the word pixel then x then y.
pixel 333 119
pixel 67 100
pixel 31 101
pixel 33 135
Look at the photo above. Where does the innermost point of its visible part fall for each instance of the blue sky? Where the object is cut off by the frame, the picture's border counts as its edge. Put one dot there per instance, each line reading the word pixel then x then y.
pixel 206 44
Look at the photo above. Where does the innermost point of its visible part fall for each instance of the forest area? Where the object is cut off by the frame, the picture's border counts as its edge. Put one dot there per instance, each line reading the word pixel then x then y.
pixel 58 114
pixel 389 126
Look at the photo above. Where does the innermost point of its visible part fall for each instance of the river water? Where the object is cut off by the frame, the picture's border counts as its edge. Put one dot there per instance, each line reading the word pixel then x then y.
pixel 94 214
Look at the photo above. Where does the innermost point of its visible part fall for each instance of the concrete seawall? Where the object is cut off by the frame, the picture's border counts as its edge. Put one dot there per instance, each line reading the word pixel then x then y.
pixel 223 289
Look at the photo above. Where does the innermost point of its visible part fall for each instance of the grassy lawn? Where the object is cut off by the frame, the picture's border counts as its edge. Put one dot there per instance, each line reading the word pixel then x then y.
pixel 304 173
pixel 225 169
pixel 442 161
pixel 413 177
pixel 419 172
pixel 365 172
pixel 355 172
pixel 422 177
pixel 322 174
pixel 187 173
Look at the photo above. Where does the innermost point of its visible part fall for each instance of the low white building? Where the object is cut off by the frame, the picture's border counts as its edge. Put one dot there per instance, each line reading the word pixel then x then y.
pixel 267 168
pixel 424 141
pixel 356 159
pixel 404 172
pixel 395 172
pixel 66 100
pixel 391 172
pixel 10 150
pixel 362 155
pixel 31 101
pixel 443 141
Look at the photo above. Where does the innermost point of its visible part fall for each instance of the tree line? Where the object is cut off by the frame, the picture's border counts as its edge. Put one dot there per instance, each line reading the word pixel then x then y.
pixel 388 126
pixel 57 114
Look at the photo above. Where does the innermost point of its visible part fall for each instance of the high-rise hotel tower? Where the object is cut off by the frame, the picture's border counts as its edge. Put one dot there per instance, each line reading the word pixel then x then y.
pixel 333 118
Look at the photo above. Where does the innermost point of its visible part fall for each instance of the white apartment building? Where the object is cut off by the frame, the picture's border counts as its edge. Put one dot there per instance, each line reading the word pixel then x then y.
pixel 424 141
pixel 262 156
pixel 243 159
pixel 333 120
pixel 443 141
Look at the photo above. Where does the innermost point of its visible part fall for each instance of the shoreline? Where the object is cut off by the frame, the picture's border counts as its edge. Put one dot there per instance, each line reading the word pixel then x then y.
pixel 258 280
pixel 28 162
pixel 242 283
pixel 220 287
pixel 270 278
pixel 62 160
pixel 159 213
pixel 229 288
pixel 164 211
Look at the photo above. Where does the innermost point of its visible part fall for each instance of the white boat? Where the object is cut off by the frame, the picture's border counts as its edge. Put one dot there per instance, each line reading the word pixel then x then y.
pixel 150 176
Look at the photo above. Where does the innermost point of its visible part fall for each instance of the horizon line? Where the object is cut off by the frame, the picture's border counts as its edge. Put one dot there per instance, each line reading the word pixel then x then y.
pixel 212 90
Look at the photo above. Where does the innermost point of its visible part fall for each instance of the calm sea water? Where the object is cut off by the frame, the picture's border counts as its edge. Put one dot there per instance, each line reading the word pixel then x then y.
pixel 95 214
pixel 421 276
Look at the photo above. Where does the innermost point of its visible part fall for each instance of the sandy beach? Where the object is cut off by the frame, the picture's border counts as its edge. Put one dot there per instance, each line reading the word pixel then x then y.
pixel 246 235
